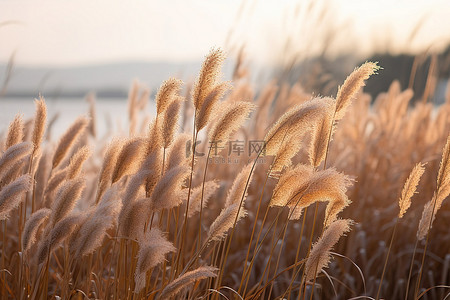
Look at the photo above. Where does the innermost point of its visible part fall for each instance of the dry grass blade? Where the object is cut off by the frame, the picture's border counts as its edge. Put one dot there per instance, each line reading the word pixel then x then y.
pixel 320 252
pixel 68 139
pixel 410 188
pixel 11 195
pixel 176 286
pixel 31 227
pixel 153 249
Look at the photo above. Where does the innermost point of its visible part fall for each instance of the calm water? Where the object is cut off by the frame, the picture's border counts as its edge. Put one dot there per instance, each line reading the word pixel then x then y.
pixel 109 112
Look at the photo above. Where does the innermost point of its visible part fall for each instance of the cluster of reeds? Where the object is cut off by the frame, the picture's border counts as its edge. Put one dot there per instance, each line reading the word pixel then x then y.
pixel 157 213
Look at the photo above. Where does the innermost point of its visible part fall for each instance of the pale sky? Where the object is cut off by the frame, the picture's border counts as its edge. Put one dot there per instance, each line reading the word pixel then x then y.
pixel 83 32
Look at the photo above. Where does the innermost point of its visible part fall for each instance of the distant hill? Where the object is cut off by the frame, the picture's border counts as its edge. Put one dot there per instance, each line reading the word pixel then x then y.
pixel 109 80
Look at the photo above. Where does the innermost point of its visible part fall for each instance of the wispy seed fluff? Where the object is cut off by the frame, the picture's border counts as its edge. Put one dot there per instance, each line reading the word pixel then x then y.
pixel 93 230
pixel 11 195
pixel 288 149
pixel 12 155
pixel 295 122
pixel 410 188
pixel 31 227
pixel 68 139
pixel 66 198
pixel 132 218
pixel 304 186
pixel 321 135
pixel 15 132
pixel 109 163
pixel 167 93
pixel 152 250
pixel 239 188
pixel 177 154
pixel 219 228
pixel 176 286
pixel 208 77
pixel 209 105
pixel 39 123
pixel 443 190
pixel 196 196
pixel 170 122
pixel 129 158
pixel 167 192
pixel 320 252
pixel 229 118
pixel 443 180
pixel 62 230
pixel 77 161
pixel 352 85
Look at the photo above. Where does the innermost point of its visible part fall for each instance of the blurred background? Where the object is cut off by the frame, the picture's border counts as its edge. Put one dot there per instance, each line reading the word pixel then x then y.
pixel 64 50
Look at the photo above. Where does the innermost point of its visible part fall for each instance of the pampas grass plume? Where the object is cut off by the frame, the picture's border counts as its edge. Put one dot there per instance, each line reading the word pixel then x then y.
pixel 219 228
pixel 351 86
pixel 320 252
pixel 153 249
pixel 208 77
pixel 129 158
pixel 32 225
pixel 11 195
pixel 176 286
pixel 410 188
pixel 39 123
pixel 210 103
pixel 68 139
pixel 15 132
pixel 12 155
pixel 167 93
pixel 169 126
pixel 66 198
pixel 229 118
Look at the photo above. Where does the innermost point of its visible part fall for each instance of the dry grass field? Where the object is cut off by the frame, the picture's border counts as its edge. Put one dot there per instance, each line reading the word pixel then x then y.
pixel 232 193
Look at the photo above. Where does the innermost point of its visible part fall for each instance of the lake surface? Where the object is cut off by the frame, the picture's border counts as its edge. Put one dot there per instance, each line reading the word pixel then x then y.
pixel 109 112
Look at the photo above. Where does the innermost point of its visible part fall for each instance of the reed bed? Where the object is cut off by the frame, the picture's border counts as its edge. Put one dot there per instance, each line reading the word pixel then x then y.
pixel 232 193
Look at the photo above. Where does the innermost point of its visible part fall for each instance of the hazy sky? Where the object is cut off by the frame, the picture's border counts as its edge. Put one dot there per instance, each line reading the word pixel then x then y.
pixel 84 32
